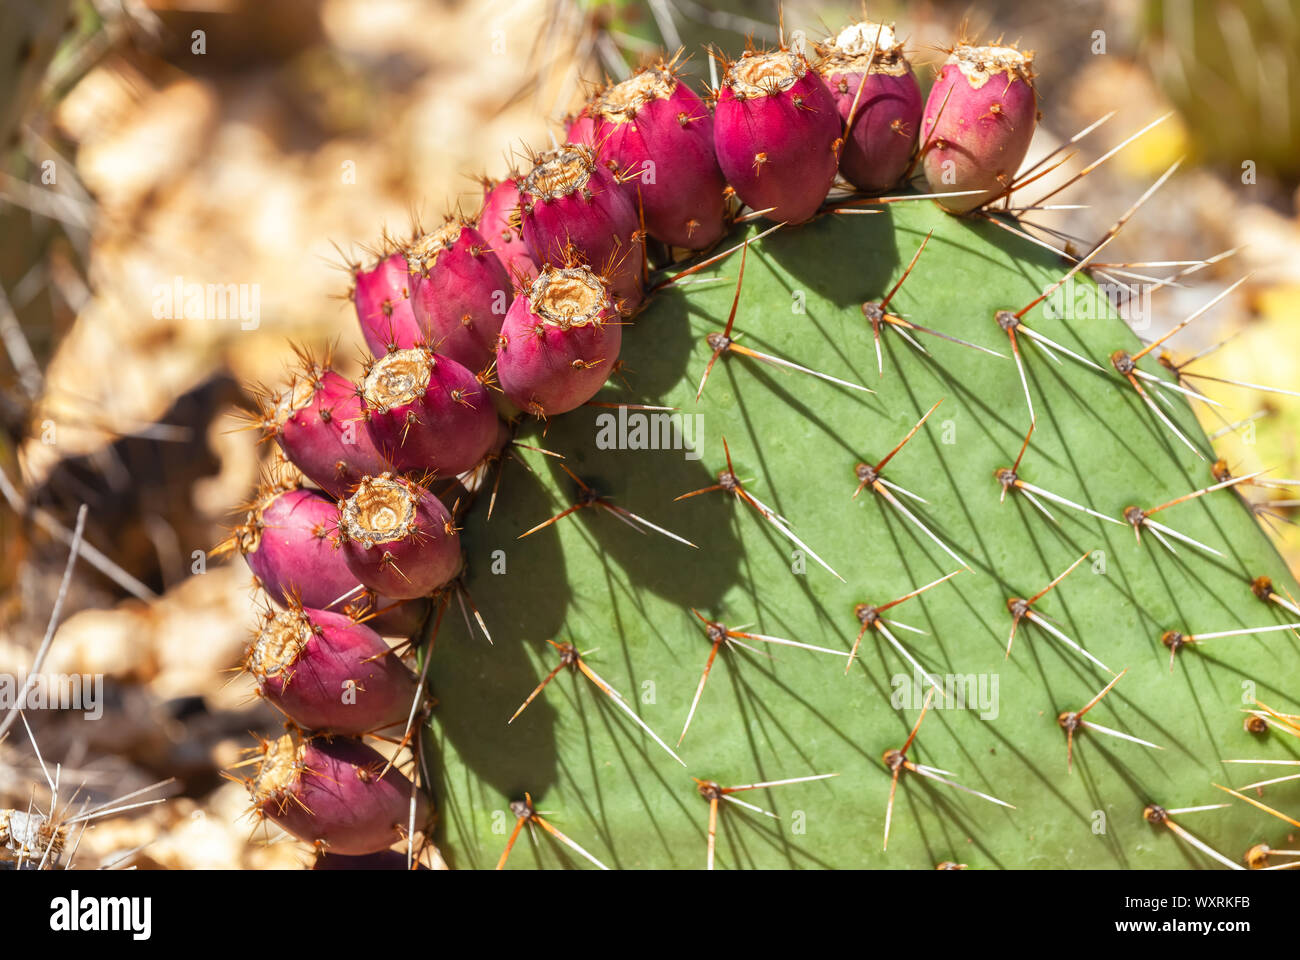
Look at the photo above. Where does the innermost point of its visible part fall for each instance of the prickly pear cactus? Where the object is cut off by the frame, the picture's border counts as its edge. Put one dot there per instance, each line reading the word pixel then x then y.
pixel 795 442
pixel 885 541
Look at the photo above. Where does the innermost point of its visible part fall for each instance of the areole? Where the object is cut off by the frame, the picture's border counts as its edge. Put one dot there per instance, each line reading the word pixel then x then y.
pixel 423 252
pixel 620 102
pixel 280 767
pixel 382 510
pixel 398 378
pixel 279 643
pixel 979 64
pixel 560 173
pixel 764 74
pixel 863 48
pixel 569 297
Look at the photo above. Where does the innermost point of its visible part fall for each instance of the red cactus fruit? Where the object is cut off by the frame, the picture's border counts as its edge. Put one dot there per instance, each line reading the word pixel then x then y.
pixel 397 538
pixel 987 121
pixel 460 292
pixel 654 132
pixel 319 426
pixel 776 131
pixel 427 412
pixel 326 672
pixel 560 341
pixel 569 202
pixel 289 540
pixel 878 147
pixel 329 792
pixel 381 295
pixel 494 222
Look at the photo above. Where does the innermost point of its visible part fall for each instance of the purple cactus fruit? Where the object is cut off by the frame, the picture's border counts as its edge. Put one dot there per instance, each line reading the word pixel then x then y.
pixel 427 412
pixel 329 792
pixel 776 131
pixel 878 148
pixel 321 429
pixel 381 295
pixel 397 538
pixel 494 222
pixel 569 202
pixel 460 293
pixel 656 134
pixel 560 341
pixel 325 672
pixel 983 133
pixel 289 540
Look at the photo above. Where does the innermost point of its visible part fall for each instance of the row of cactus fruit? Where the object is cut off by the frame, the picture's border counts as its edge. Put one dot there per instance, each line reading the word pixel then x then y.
pixel 574 302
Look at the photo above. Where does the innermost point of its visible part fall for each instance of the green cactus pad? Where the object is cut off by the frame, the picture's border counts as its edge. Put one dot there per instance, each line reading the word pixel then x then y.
pixel 593 580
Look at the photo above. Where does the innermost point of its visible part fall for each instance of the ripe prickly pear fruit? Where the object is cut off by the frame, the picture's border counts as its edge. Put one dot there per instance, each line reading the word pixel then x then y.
pixel 397 538
pixel 382 296
pixel 330 793
pixel 494 222
pixel 776 131
pixel 560 341
pixel 289 541
pixel 326 672
pixel 653 130
pixel 319 426
pixel 878 146
pixel 460 292
pixel 981 137
pixel 569 202
pixel 427 412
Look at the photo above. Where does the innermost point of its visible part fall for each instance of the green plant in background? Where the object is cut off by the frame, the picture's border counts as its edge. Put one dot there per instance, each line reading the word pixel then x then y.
pixel 1223 65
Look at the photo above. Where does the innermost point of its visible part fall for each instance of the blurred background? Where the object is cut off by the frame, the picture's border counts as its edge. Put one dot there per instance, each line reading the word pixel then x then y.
pixel 150 144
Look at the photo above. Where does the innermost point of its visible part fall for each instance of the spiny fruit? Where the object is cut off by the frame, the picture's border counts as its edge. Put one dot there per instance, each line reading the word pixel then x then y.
pixel 500 198
pixel 653 131
pixel 381 295
pixel 397 538
pixel 979 119
pixel 776 131
pixel 567 202
pixel 460 292
pixel 873 84
pixel 560 341
pixel 329 792
pixel 319 425
pixel 289 540
pixel 327 672
pixel 427 412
